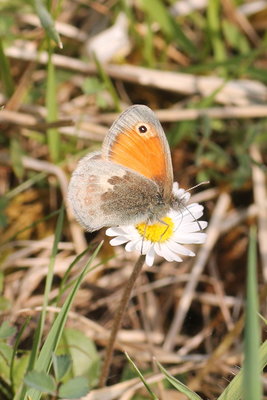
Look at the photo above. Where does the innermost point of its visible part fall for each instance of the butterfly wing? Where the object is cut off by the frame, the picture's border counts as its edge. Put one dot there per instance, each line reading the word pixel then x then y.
pixel 102 193
pixel 137 141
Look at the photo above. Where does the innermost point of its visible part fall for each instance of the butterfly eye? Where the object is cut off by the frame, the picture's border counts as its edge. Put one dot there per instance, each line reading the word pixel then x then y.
pixel 142 129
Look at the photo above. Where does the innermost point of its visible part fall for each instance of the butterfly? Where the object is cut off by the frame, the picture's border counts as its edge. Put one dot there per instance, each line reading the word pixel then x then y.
pixel 130 180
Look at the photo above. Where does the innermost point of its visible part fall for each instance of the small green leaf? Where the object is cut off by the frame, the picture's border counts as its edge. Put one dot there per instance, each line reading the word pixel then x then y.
pixel 6 330
pixel 19 369
pixel 74 388
pixel 40 381
pixel 92 86
pixel 5 352
pixel 61 365
pixel 84 355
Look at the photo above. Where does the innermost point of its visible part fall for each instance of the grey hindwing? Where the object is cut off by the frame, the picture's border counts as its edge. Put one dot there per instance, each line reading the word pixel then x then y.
pixel 102 193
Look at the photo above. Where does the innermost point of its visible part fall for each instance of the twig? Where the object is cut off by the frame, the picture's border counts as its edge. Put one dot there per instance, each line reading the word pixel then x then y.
pixel 177 114
pixel 240 19
pixel 67 30
pixel 118 318
pixel 30 121
pixel 260 196
pixel 213 233
pixel 219 290
pixel 239 91
pixel 44 166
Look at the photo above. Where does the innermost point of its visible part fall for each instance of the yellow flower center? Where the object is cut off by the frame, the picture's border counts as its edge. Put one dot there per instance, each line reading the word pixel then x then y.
pixel 159 232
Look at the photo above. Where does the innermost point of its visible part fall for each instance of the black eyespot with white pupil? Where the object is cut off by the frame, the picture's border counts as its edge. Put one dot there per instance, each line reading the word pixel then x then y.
pixel 142 129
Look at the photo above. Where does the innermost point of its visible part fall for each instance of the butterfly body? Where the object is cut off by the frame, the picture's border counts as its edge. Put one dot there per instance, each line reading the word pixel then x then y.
pixel 130 180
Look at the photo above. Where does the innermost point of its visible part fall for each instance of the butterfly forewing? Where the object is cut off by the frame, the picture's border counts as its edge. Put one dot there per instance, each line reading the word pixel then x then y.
pixel 137 141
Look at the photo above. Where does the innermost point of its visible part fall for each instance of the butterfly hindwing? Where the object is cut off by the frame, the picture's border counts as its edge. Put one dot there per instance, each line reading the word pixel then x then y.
pixel 103 193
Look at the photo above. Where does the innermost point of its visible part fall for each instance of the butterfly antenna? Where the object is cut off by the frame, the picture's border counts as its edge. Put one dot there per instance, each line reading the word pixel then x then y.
pixel 163 223
pixel 194 219
pixel 188 190
pixel 196 186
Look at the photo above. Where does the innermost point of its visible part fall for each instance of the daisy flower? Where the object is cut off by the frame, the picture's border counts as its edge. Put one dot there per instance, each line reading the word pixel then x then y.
pixel 166 238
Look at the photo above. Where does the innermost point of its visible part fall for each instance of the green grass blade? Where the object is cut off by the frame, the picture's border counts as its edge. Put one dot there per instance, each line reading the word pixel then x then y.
pixel 48 284
pixel 45 358
pixel 39 330
pixel 214 23
pixel 63 284
pixel 234 390
pixel 252 376
pixel 49 279
pixel 154 397
pixel 47 22
pixel 53 136
pixel 26 184
pixel 179 385
pixel 157 11
pixel 247 382
pixel 5 73
pixel 148 48
pixel 108 84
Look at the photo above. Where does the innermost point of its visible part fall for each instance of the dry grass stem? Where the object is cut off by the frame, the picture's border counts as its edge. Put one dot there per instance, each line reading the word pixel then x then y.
pixel 240 92
pixel 213 233
pixel 260 198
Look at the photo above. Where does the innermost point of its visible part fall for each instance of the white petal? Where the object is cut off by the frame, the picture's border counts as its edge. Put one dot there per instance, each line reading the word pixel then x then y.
pixel 178 248
pixel 186 215
pixel 143 246
pixel 194 226
pixel 115 231
pixel 131 230
pixel 150 256
pixel 187 238
pixel 163 251
pixel 180 193
pixel 199 237
pixel 118 240
pixel 186 197
pixel 160 250
pixel 177 258
pixel 194 209
pixel 131 246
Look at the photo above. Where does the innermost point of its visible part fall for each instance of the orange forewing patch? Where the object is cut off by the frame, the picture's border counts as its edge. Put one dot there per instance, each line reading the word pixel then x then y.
pixel 144 155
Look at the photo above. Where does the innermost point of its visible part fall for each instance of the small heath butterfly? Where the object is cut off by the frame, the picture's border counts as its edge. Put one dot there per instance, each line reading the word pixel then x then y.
pixel 130 180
